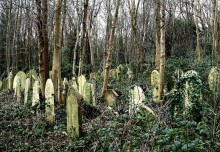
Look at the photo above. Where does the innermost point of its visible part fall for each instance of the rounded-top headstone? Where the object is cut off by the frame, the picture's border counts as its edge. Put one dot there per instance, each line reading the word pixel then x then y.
pixel 22 76
pixel 36 91
pixel 26 91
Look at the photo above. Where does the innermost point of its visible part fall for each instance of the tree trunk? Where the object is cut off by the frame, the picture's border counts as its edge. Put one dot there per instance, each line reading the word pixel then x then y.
pixel 197 31
pixel 83 42
pixel 42 11
pixel 157 12
pixel 56 70
pixel 162 49
pixel 110 49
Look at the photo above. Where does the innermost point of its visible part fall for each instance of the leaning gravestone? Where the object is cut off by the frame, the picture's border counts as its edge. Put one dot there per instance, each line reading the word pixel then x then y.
pixel 155 85
pixel 136 98
pixel 74 113
pixel 22 76
pixel 26 91
pixel 81 82
pixel 214 80
pixel 36 91
pixel 49 95
pixel 87 92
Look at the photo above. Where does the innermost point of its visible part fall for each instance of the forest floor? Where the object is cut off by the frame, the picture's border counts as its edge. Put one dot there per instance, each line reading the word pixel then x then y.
pixel 25 129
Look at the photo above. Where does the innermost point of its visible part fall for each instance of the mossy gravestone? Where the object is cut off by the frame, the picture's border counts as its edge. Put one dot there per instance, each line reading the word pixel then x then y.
pixel 136 98
pixel 74 113
pixel 49 95
pixel 155 86
pixel 74 84
pixel 26 91
pixel 214 80
pixel 18 89
pixel 36 91
pixel 110 97
pixel 81 82
pixel 22 76
pixel 87 92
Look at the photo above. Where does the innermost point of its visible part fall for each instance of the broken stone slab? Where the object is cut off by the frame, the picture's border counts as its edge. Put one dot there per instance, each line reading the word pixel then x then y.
pixel 49 95
pixel 136 98
pixel 36 92
pixel 74 113
pixel 155 86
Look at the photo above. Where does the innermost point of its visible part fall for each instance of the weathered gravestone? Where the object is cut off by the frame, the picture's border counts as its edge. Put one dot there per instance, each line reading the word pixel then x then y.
pixel 36 93
pixel 49 95
pixel 18 89
pixel 110 97
pixel 81 82
pixel 26 91
pixel 22 76
pixel 87 92
pixel 74 113
pixel 65 89
pixel 32 75
pixel 10 81
pixel 192 92
pixel 214 80
pixel 74 84
pixel 93 78
pixel 155 86
pixel 136 98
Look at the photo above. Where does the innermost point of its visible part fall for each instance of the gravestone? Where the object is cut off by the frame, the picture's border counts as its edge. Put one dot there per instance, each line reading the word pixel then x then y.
pixel 26 91
pixel 74 84
pixel 32 75
pixel 214 80
pixel 87 92
pixel 18 89
pixel 49 95
pixel 110 97
pixel 74 113
pixel 65 89
pixel 10 81
pixel 36 92
pixel 22 76
pixel 136 98
pixel 81 82
pixel 155 86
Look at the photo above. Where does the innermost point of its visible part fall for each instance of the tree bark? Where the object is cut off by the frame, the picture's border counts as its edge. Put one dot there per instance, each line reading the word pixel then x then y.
pixel 110 50
pixel 157 12
pixel 43 43
pixel 83 42
pixel 162 49
pixel 56 70
pixel 197 31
